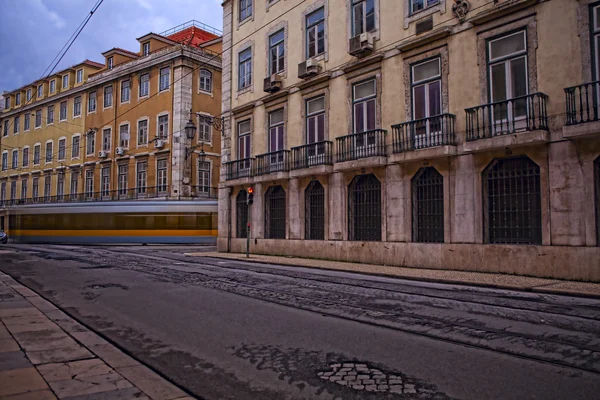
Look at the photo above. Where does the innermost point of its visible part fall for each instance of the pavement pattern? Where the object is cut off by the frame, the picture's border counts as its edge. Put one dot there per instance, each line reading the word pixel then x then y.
pixel 44 355
pixel 230 329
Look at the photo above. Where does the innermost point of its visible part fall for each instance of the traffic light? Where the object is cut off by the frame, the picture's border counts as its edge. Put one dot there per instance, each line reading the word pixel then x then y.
pixel 250 199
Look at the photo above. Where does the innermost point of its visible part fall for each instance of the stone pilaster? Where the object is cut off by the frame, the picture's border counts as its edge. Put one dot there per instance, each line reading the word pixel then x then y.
pixel 337 206
pixel 182 103
pixel 398 205
pixel 293 200
pixel 257 210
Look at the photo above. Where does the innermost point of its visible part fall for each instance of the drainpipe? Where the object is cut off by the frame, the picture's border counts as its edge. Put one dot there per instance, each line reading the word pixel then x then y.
pixel 229 192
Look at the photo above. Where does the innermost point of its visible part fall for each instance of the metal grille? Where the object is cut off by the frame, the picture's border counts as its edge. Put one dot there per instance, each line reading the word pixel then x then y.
pixel 275 212
pixel 315 211
pixel 242 214
pixel 364 208
pixel 512 202
pixel 428 206
pixel 597 180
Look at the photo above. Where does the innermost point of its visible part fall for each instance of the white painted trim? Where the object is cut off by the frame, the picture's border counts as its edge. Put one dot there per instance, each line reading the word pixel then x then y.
pixel 137 131
pixel 161 114
pixel 128 124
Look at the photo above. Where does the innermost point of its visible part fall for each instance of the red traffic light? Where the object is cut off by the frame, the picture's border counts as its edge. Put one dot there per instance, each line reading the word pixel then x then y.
pixel 250 190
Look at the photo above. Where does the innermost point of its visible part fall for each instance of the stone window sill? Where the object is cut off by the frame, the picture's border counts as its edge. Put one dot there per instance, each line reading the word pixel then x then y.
pixel 441 7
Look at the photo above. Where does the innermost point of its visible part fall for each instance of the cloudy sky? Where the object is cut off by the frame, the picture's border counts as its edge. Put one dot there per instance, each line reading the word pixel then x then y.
pixel 33 31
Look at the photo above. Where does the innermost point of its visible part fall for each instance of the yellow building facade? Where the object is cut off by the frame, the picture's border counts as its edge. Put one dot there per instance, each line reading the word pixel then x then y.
pixel 426 133
pixel 115 130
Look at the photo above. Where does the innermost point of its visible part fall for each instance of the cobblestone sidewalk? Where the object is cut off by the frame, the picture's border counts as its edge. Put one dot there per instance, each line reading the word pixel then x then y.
pixel 44 354
pixel 504 281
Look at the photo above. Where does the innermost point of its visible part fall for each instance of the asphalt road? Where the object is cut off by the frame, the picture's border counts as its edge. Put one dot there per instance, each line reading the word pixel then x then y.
pixel 233 330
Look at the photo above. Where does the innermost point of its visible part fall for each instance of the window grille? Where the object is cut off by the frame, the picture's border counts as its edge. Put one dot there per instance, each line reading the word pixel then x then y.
pixel 242 214
pixel 364 208
pixel 428 206
pixel 275 213
pixel 315 211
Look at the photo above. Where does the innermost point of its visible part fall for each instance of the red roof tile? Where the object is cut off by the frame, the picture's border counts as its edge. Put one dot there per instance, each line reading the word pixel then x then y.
pixel 193 36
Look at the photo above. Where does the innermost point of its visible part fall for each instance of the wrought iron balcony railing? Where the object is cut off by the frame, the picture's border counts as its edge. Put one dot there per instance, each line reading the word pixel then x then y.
pixel 276 161
pixel 583 103
pixel 309 155
pixel 523 113
pixel 361 145
pixel 239 168
pixel 423 133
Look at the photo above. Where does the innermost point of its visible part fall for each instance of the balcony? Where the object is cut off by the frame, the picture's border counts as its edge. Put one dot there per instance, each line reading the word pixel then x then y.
pixel 270 163
pixel 239 169
pixel 492 126
pixel 369 145
pixel 583 114
pixel 305 158
pixel 424 138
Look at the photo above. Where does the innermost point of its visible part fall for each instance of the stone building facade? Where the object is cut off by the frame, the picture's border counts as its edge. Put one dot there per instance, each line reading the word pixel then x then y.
pixel 422 133
pixel 115 130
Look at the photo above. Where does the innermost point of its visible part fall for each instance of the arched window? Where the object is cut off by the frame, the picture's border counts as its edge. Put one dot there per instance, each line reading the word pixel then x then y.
pixel 597 190
pixel 314 196
pixel 205 80
pixel 275 213
pixel 512 202
pixel 364 208
pixel 242 214
pixel 428 206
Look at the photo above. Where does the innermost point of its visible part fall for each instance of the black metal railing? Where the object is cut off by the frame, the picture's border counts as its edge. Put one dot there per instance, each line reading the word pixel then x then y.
pixel 361 145
pixel 276 161
pixel 206 192
pixel 309 155
pixel 583 103
pixel 239 168
pixel 423 133
pixel 523 113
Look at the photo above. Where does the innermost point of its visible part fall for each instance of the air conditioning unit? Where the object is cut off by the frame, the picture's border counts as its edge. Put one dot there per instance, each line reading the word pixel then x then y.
pixel 159 144
pixel 102 154
pixel 120 151
pixel 308 68
pixel 361 45
pixel 272 83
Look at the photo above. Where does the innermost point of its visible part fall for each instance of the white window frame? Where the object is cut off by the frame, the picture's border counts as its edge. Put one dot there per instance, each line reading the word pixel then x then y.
pixel 161 83
pixel 52 86
pixel 245 5
pixel 89 102
pixel 139 174
pixel 124 143
pixel 26 122
pixel 111 97
pixel 38 112
pixel 146 49
pixel 203 123
pixel 140 96
pixel 89 153
pixel 64 148
pixel 421 139
pixel 79 75
pixel 4 163
pixel 279 44
pixel 78 147
pixel 25 157
pixel 24 183
pixel 60 185
pixel 315 27
pixel 16 124
pixel 163 114
pixel 106 133
pixel 74 106
pixel 65 86
pixel 40 91
pixel 128 91
pixel 145 143
pixel 110 61
pixel 426 4
pixel 38 147
pixel 122 184
pixel 74 186
pixel 50 111
pixel 205 81
pixel 17 99
pixel 363 4
pixel 105 181
pixel 14 159
pixel 89 183
pixel 60 117
pixel 28 95
pixel 51 143
pixel 160 178
pixel 246 63
pixel 204 189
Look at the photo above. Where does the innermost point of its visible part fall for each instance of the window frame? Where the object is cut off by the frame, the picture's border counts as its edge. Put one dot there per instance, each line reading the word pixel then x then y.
pixel 125 90
pixel 65 86
pixel 73 147
pixel 105 181
pixel 145 142
pixel 122 179
pixel 363 5
pixel 141 85
pixel 161 83
pixel 205 81
pixel 141 173
pixel 110 61
pixel 50 115
pixel 246 136
pixel 124 143
pixel 37 154
pixel 279 58
pixel 48 155
pixel 109 103
pixel 364 100
pixel 75 108
pixel 92 99
pixel 15 159
pixel 145 49
pixel 79 75
pixel 25 157
pixel 62 149
pixel 60 112
pixel 162 179
pixel 106 139
pixel 89 183
pixel 247 66
pixel 315 26
pixel 90 140
pixel 244 14
pixel 160 135
pixel 52 86
pixel 26 122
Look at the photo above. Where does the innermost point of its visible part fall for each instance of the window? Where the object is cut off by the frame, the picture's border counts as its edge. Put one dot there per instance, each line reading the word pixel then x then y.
pixel 242 214
pixel 276 136
pixel 418 5
pixel 91 143
pixel 89 183
pixel 23 189
pixel 595 17
pixel 363 16
pixel 49 146
pixel 512 202
pixel 35 188
pixel 245 9
pixel 124 136
pixel 4 161
pixel 105 181
pixel 315 126
pixel 50 115
pixel 62 149
pixel 37 150
pixel 275 213
pixel 144 85
pixel 110 62
pixel 244 130
pixel 428 206
pixel 47 186
pixel 92 102
pixel 79 78
pixel 60 186
pixel 123 171
pixel 204 131
pixel 5 131
pixel 161 176
pixel 74 183
pixel 15 159
pixel 165 80
pixel 28 95
pixel 3 191
pixel 17 99
pixel 146 48
pixel 426 85
pixel 108 96
pixel 245 69
pixel 40 91
pixel 65 81
pixel 52 86
pixel 277 52
pixel 142 170
pixel 507 63
pixel 315 33
pixel 125 90
pixel 13 190
pixel 106 136
pixel 27 122
pixel 7 102
pixel 364 105
pixel 77 106
pixel 26 157
pixel 163 127
pixel 314 196
pixel 75 147
pixel 63 111
pixel 38 118
pixel 205 81
pixel 142 132
pixel 364 208
pixel 204 178
pixel 16 125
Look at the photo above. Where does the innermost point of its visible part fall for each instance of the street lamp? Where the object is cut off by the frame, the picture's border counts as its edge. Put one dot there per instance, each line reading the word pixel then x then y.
pixel 190 133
